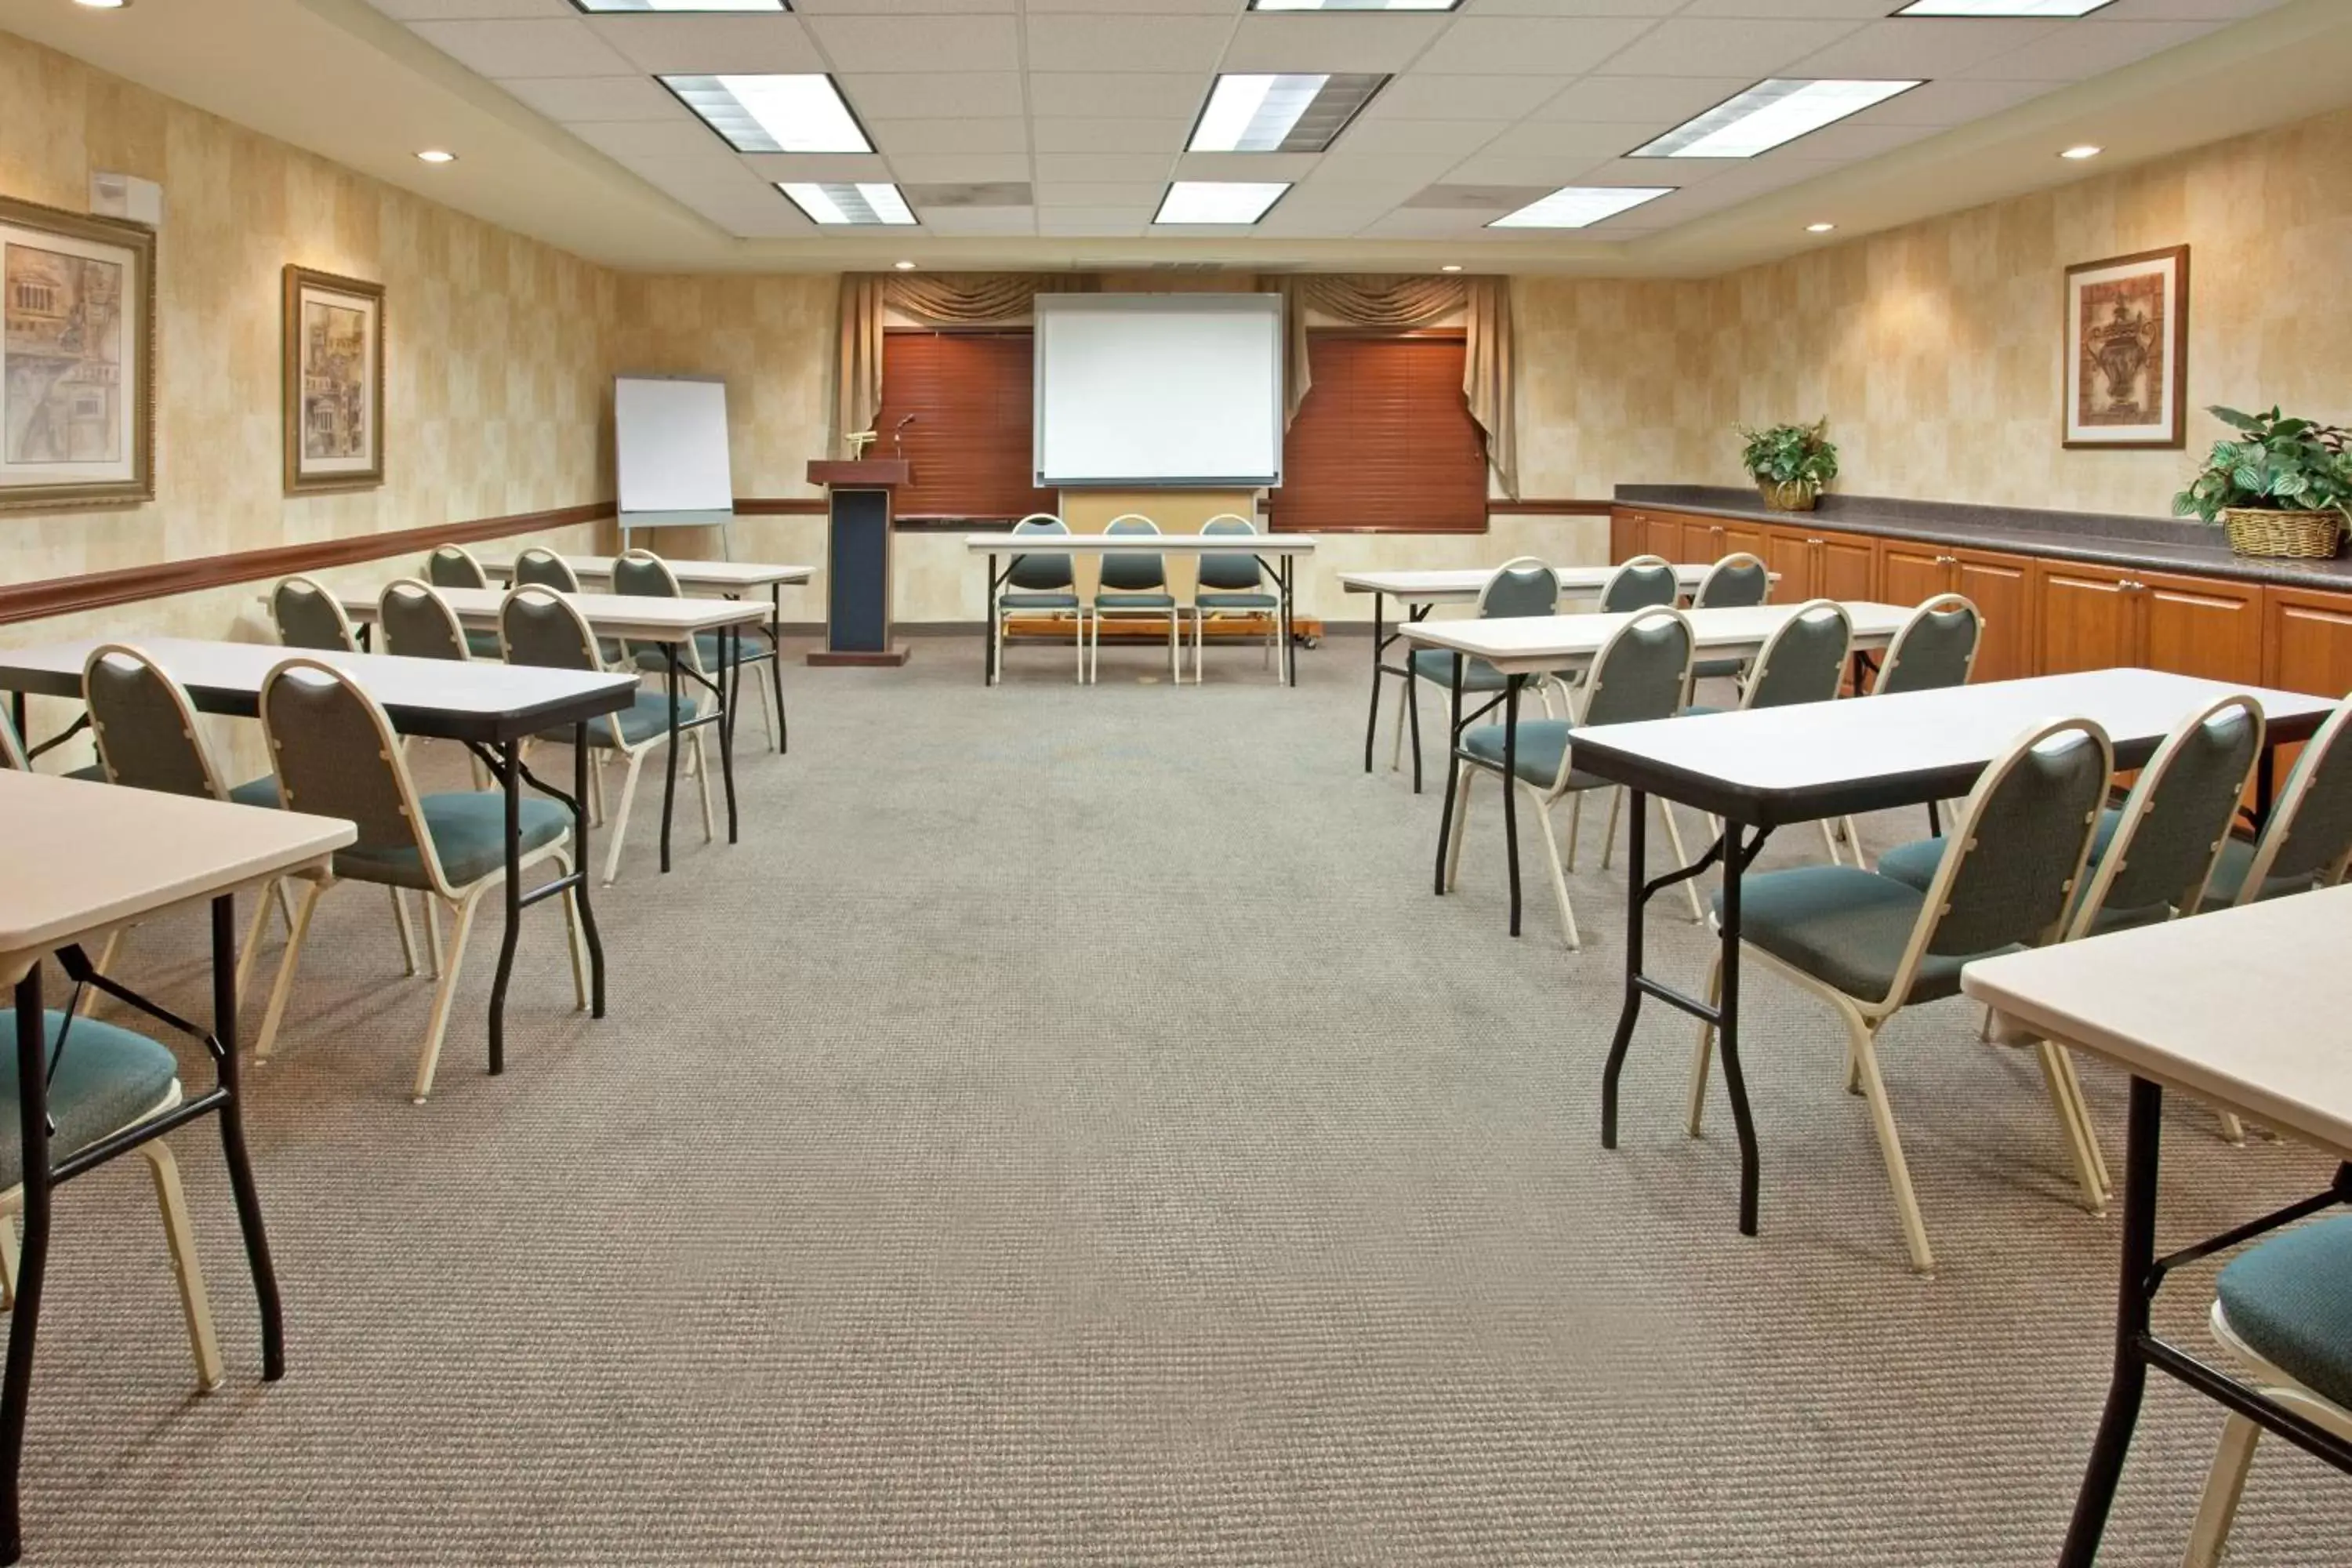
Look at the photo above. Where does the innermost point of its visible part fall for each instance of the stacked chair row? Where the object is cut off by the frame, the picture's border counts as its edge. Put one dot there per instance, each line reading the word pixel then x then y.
pixel 1134 586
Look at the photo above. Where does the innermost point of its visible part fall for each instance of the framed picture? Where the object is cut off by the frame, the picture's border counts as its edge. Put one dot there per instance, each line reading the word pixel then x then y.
pixel 2128 350
pixel 334 383
pixel 77 359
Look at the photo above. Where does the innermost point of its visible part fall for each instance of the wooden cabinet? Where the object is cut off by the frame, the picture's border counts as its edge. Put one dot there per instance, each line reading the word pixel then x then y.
pixel 2099 617
pixel 1845 566
pixel 2089 618
pixel 1790 557
pixel 2002 588
pixel 2307 639
pixel 1626 533
pixel 1913 574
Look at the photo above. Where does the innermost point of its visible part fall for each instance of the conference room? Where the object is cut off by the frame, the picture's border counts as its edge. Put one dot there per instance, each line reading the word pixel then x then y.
pixel 1259 782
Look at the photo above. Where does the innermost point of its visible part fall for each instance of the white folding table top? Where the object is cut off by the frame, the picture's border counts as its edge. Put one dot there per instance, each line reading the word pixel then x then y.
pixel 633 616
pixel 1920 745
pixel 2243 1008
pixel 1114 544
pixel 81 859
pixel 1536 645
pixel 1461 585
pixel 725 576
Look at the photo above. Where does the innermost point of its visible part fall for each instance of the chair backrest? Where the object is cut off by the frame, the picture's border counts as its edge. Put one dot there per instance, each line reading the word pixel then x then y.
pixel 337 755
pixel 2018 852
pixel 646 575
pixel 2308 837
pixel 1041 573
pixel 307 616
pixel 1644 581
pixel 1732 583
pixel 1936 647
pixel 538 625
pixel 1130 573
pixel 1522 585
pixel 148 734
pixel 1803 661
pixel 543 566
pixel 1641 671
pixel 2172 825
pixel 454 566
pixel 1235 572
pixel 419 623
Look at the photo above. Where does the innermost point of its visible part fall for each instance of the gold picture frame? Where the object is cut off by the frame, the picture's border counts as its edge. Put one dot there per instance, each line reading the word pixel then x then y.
pixel 334 382
pixel 77 359
pixel 2126 381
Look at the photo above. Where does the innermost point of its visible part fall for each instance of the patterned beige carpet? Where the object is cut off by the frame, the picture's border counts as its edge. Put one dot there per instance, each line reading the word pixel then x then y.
pixel 1067 1129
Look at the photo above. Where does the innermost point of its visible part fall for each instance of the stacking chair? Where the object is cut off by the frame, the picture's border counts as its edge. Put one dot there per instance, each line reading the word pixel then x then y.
pixel 307 616
pixel 1934 648
pixel 1136 585
pixel 1040 587
pixel 1640 673
pixel 647 575
pixel 540 626
pixel 1520 586
pixel 1803 661
pixel 104 1080
pixel 2307 838
pixel 1871 946
pixel 454 566
pixel 1234 584
pixel 417 622
pixel 2280 1308
pixel 1639 584
pixel 1735 581
pixel 539 566
pixel 338 755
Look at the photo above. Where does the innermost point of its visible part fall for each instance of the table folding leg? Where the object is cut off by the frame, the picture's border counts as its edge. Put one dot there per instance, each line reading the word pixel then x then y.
pixel 506 765
pixel 729 643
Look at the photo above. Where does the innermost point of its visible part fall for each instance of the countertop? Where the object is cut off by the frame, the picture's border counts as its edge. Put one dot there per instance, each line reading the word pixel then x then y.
pixel 2106 539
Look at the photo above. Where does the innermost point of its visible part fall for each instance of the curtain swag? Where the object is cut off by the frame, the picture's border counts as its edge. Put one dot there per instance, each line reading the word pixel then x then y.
pixel 935 299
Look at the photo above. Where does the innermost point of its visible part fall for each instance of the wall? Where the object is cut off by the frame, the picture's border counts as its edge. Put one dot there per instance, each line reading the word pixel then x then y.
pixel 1936 349
pixel 498 349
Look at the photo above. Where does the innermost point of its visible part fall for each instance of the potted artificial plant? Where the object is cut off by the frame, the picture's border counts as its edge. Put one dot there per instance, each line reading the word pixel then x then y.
pixel 2283 487
pixel 1790 463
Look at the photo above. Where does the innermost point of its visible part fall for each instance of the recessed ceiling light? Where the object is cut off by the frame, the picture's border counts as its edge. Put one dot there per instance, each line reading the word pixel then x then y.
pixel 904 265
pixel 2058 9
pixel 436 155
pixel 1219 201
pixel 863 202
pixel 1288 113
pixel 1574 206
pixel 1771 112
pixel 1451 267
pixel 1353 4
pixel 1819 227
pixel 2085 150
pixel 794 113
pixel 608 5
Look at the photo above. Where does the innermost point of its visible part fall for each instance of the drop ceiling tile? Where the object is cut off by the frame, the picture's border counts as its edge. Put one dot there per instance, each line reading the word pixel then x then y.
pixel 881 44
pixel 1533 45
pixel 1098 166
pixel 572 99
pixel 897 136
pixel 1626 100
pixel 1425 223
pixel 525 48
pixel 1682 173
pixel 1583 7
pixel 1358 187
pixel 1166 137
pixel 1114 223
pixel 640 139
pixel 1752 47
pixel 1459 137
pixel 1571 139
pixel 702 175
pixel 702 46
pixel 1246 165
pixel 1152 43
pixel 1796 10
pixel 958 168
pixel 1921 46
pixel 1356 41
pixel 1415 169
pixel 1133 8
pixel 927 95
pixel 470 10
pixel 980 220
pixel 817 165
pixel 905 7
pixel 1851 142
pixel 1100 195
pixel 2087 48
pixel 1286 221
pixel 1952 103
pixel 1541 174
pixel 2185 10
pixel 1081 95
pixel 1429 95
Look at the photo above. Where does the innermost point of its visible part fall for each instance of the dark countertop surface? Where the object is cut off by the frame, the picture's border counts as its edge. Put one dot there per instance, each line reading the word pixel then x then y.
pixel 2106 539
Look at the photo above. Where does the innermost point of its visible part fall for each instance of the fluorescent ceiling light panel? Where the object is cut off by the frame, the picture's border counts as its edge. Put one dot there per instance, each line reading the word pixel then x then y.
pixel 863 204
pixel 1286 113
pixel 799 113
pixel 1219 201
pixel 611 5
pixel 1574 206
pixel 1353 4
pixel 2051 8
pixel 1766 115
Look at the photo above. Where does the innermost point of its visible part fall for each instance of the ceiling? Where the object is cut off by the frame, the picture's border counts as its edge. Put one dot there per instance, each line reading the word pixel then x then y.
pixel 562 129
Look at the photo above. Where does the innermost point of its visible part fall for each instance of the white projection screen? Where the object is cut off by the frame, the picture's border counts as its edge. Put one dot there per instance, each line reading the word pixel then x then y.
pixel 1158 389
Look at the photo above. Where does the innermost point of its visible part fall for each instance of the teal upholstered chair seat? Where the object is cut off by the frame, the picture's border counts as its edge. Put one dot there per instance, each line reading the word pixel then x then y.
pixel 262 791
pixel 1846 926
pixel 1239 601
pixel 1717 668
pixel 2229 876
pixel 484 645
pixel 93 773
pixel 1542 744
pixel 106 1078
pixel 469 834
pixel 2289 1299
pixel 641 721
pixel 1698 709
pixel 1113 599
pixel 1031 601
pixel 1437 664
pixel 706 647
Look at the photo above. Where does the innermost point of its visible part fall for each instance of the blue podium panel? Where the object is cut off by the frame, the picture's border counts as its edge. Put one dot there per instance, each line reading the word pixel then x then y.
pixel 857 605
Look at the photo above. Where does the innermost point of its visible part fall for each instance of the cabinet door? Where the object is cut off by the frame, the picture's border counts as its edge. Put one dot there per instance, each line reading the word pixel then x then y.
pixel 1846 567
pixel 1789 554
pixel 1661 535
pixel 2002 588
pixel 1740 538
pixel 1912 573
pixel 2310 641
pixel 1626 533
pixel 2089 620
pixel 2201 625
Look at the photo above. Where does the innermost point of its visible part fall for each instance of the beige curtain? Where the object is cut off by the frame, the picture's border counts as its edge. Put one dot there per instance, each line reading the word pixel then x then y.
pixel 1401 303
pixel 935 299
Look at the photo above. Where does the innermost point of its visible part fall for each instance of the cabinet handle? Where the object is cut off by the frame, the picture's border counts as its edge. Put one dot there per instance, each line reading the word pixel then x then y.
pixel 1817 541
pixel 1947 560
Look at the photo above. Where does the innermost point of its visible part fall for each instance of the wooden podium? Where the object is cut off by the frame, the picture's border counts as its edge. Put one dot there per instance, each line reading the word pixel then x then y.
pixel 857 624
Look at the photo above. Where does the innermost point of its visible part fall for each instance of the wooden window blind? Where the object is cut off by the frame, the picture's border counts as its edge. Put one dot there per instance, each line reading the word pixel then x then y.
pixel 970 445
pixel 1384 441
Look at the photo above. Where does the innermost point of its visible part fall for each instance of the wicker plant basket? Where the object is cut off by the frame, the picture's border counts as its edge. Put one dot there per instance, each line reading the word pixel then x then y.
pixel 1789 495
pixel 2255 531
